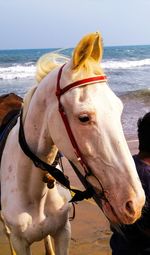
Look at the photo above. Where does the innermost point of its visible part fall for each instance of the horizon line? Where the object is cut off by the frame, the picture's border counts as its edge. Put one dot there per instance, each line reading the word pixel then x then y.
pixel 64 48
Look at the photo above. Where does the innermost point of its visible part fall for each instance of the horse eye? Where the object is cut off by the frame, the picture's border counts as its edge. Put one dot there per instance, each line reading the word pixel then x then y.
pixel 84 118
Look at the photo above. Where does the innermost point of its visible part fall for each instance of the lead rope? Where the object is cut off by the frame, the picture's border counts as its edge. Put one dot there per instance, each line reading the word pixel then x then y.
pixel 71 218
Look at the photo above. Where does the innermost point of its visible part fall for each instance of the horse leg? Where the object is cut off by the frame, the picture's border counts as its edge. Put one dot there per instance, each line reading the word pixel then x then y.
pixel 62 240
pixel 7 233
pixel 20 245
pixel 48 246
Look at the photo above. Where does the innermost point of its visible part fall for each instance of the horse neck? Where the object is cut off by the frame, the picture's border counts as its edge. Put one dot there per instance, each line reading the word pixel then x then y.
pixel 39 141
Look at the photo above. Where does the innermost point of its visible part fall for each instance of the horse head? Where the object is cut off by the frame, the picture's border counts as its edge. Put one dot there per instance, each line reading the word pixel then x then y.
pixel 93 114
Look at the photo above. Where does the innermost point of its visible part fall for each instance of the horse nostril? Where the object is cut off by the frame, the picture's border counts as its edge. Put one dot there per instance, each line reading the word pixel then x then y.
pixel 129 208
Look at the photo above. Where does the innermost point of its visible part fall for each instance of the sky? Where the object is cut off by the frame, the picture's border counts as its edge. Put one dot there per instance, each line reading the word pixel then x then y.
pixel 62 23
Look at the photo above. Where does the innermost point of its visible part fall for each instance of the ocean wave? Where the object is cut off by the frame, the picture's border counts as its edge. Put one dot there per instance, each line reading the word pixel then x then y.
pixel 17 72
pixel 125 64
pixel 27 70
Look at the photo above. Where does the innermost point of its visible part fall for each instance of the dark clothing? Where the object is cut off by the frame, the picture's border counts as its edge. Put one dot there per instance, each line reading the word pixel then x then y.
pixel 135 239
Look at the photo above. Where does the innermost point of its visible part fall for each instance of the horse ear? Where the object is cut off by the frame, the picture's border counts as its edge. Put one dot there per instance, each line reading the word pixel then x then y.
pixel 90 46
pixel 97 51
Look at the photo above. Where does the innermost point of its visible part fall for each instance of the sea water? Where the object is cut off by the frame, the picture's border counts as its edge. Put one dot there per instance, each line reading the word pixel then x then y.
pixel 127 68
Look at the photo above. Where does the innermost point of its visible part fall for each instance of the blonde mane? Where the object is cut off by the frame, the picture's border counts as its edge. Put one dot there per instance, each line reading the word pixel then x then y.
pixel 45 64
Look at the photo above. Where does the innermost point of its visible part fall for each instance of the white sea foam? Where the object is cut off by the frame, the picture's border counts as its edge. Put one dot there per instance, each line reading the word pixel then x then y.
pixel 125 64
pixel 17 72
pixel 28 70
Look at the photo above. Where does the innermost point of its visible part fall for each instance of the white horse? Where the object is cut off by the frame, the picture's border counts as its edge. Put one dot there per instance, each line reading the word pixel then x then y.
pixel 83 121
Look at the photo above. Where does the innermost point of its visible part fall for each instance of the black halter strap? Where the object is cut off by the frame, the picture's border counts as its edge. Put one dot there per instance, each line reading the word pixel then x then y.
pixel 56 173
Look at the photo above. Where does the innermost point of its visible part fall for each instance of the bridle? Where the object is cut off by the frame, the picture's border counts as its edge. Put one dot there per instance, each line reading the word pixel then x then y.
pixel 56 173
pixel 59 93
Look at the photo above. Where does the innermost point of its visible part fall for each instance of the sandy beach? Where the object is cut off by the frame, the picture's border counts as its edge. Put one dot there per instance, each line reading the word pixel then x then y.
pixel 90 228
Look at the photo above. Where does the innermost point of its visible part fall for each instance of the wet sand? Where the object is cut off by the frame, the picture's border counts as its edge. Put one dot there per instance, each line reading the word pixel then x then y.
pixel 90 228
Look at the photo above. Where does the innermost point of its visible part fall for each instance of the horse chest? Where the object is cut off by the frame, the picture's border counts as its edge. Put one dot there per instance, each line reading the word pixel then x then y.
pixel 44 224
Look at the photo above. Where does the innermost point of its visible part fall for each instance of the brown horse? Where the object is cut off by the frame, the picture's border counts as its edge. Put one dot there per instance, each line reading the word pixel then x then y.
pixel 9 105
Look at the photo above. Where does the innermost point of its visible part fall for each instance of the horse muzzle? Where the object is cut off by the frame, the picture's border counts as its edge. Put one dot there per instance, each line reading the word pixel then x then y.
pixel 126 213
